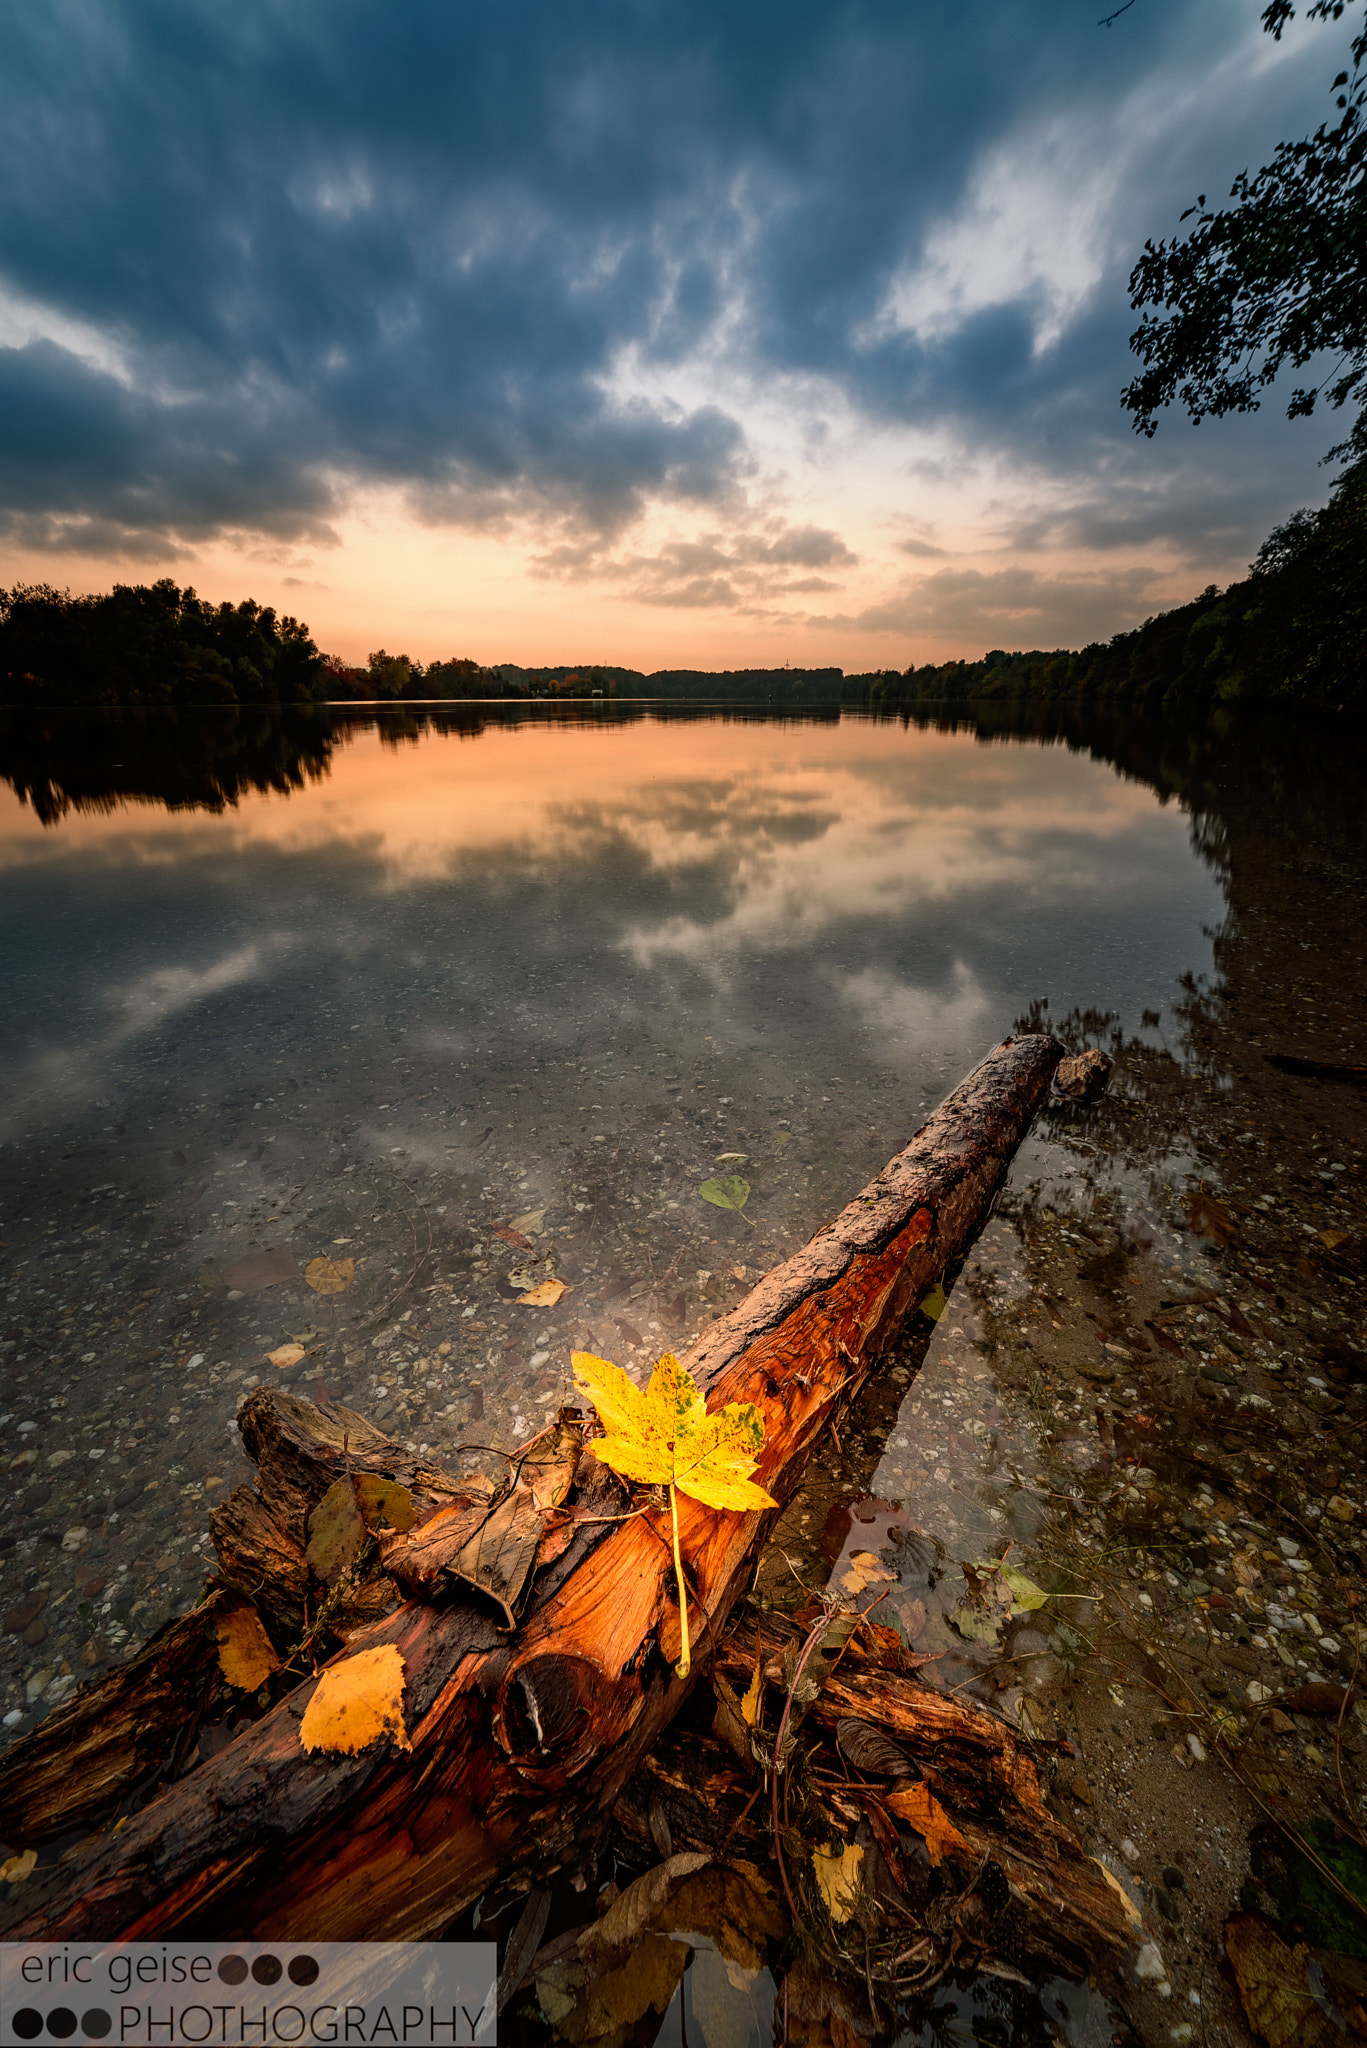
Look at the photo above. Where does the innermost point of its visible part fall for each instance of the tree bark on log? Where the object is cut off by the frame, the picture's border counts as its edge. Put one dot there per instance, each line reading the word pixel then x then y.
pixel 520 1742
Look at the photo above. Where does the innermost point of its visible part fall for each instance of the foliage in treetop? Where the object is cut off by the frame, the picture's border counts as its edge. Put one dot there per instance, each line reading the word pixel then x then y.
pixel 1273 282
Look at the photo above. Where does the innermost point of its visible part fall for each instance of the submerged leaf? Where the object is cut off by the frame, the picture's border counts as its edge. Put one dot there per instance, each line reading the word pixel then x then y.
pixel 544 1296
pixel 1274 1990
pixel 837 1872
pixel 286 1356
pixel 730 1192
pixel 357 1702
pixel 531 1222
pixel 330 1276
pixel 1026 1595
pixel 1209 1218
pixel 246 1654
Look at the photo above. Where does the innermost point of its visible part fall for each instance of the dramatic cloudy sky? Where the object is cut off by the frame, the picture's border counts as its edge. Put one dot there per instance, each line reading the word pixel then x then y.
pixel 649 331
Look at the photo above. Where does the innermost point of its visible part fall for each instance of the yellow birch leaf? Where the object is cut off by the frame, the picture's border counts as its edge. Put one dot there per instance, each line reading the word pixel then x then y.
pixel 917 1805
pixel 754 1693
pixel 330 1276
pixel 246 1654
pixel 837 1872
pixel 286 1356
pixel 357 1702
pixel 544 1296
pixel 16 1868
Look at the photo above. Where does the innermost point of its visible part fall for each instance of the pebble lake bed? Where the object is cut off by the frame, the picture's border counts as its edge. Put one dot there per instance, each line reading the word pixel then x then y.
pixel 468 1007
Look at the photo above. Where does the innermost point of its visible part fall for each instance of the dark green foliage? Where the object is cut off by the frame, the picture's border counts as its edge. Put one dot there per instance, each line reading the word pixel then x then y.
pixel 151 644
pixel 1277 281
pixel 1293 634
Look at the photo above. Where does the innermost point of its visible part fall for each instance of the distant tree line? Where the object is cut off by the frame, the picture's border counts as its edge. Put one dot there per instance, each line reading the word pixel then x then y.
pixel 1291 635
pixel 396 678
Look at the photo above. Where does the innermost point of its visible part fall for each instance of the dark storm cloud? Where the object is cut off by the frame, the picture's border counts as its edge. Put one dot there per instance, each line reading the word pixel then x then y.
pixel 281 248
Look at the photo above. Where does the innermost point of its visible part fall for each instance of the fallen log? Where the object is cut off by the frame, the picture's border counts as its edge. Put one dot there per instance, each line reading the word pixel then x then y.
pixel 520 1742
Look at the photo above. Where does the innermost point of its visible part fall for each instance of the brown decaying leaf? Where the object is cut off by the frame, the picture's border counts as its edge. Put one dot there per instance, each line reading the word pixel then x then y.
pixel 1209 1218
pixel 1332 1239
pixel 1273 1990
pixel 330 1276
pixel 285 1356
pixel 246 1655
pixel 357 1702
pixel 513 1237
pixel 914 1619
pixel 920 1809
pixel 259 1269
pixel 336 1532
pixel 1315 1698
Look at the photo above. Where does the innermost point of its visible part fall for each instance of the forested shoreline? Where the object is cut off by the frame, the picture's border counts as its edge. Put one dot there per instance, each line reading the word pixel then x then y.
pixel 1292 635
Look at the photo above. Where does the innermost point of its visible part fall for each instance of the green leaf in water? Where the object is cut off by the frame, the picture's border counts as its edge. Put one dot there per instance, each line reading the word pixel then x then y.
pixel 729 1192
pixel 784 1136
pixel 1025 1594
pixel 934 1304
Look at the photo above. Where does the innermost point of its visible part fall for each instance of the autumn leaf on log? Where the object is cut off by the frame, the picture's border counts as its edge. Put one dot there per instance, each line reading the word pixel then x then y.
pixel 837 1871
pixel 246 1654
pixel 917 1805
pixel 330 1276
pixel 383 1503
pixel 336 1532
pixel 665 1437
pixel 357 1702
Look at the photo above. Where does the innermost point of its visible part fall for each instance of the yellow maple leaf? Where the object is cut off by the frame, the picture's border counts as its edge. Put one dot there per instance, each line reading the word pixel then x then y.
pixel 356 1702
pixel 665 1437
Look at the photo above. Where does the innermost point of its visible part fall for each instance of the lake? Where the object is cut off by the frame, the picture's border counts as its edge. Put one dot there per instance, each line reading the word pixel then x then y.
pixel 481 998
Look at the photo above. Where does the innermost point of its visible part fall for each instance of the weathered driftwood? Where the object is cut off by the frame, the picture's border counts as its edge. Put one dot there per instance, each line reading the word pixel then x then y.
pixel 520 1742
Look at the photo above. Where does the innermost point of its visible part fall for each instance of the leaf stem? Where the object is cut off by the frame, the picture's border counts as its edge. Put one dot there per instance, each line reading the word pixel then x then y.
pixel 681 1669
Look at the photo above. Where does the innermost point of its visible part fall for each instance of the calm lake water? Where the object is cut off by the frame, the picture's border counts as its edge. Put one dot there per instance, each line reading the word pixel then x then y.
pixel 458 973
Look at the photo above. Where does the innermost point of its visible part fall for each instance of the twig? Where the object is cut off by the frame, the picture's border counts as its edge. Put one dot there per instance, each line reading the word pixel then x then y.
pixel 813 1638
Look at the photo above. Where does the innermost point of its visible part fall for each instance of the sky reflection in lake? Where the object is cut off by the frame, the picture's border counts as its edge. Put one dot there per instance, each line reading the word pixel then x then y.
pixel 830 885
